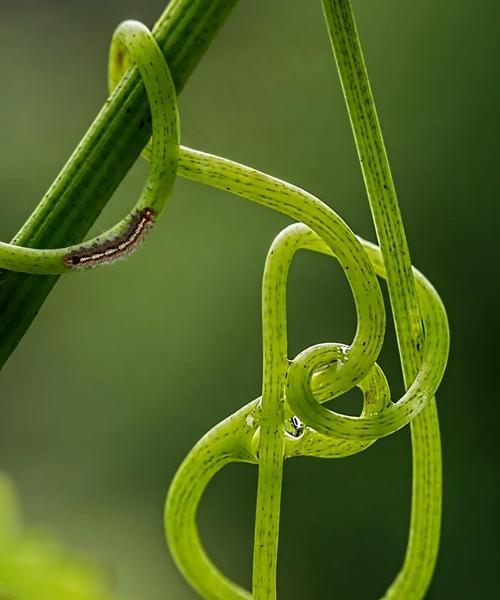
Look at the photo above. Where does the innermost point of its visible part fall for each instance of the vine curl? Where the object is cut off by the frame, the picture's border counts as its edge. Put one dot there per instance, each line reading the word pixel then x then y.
pixel 288 419
pixel 135 39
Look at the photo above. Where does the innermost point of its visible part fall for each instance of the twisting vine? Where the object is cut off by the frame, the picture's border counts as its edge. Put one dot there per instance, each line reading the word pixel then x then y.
pixel 288 419
pixel 125 236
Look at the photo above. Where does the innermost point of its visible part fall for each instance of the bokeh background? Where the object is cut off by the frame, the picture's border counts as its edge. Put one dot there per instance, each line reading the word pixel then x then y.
pixel 126 367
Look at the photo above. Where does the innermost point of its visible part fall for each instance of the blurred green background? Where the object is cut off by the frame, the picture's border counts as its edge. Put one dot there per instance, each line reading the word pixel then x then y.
pixel 126 367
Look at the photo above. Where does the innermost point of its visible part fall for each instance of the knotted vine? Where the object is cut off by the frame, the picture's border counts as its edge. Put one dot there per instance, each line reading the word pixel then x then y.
pixel 289 418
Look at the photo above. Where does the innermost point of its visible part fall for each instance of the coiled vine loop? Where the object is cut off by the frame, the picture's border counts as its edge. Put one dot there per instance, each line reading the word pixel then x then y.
pixel 135 39
pixel 288 419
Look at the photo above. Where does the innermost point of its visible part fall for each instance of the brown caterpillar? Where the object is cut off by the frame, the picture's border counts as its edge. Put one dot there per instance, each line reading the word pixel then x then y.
pixel 114 248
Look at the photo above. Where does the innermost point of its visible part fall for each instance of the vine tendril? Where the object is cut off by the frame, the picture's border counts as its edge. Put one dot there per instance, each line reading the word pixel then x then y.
pixel 288 419
pixel 257 433
pixel 135 39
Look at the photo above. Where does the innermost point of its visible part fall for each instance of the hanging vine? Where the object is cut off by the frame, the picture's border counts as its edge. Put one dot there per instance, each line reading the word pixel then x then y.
pixel 289 418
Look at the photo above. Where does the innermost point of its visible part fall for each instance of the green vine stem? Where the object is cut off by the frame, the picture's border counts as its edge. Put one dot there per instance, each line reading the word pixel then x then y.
pixel 257 432
pixel 422 550
pixel 101 161
pixel 135 40
pixel 288 419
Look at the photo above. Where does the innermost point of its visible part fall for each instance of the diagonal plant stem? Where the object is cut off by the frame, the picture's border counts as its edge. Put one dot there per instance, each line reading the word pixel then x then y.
pixel 415 576
pixel 101 160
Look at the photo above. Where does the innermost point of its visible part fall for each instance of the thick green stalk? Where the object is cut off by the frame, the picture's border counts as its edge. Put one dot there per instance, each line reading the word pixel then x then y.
pixel 101 161
pixel 414 578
